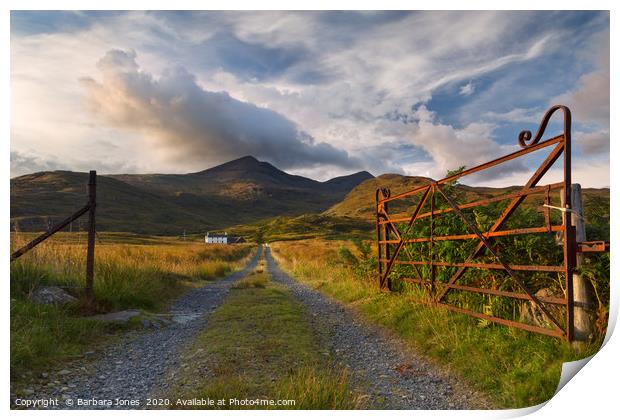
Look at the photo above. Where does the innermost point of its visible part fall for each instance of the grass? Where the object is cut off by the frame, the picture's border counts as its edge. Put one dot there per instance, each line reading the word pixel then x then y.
pixel 513 367
pixel 258 345
pixel 287 228
pixel 144 277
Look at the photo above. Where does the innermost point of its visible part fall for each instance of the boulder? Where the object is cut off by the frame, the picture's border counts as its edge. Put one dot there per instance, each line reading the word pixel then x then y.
pixel 531 314
pixel 51 295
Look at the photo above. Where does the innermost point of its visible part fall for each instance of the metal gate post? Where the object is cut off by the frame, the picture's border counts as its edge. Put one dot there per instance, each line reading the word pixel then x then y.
pixel 379 249
pixel 386 232
pixel 570 236
pixel 90 255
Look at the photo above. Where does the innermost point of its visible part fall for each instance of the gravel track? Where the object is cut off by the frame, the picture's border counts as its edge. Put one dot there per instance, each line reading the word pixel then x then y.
pixel 378 364
pixel 136 367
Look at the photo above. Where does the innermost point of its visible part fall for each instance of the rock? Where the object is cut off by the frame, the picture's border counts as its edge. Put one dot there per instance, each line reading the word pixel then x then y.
pixel 51 295
pixel 531 313
pixel 121 317
pixel 28 391
pixel 64 372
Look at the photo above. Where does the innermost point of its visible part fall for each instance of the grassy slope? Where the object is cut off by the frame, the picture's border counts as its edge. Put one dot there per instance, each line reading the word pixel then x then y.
pixel 126 276
pixel 120 206
pixel 258 345
pixel 302 227
pixel 514 367
pixel 360 202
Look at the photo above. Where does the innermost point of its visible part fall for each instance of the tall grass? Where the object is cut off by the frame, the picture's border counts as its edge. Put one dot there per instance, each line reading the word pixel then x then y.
pixel 126 276
pixel 514 367
pixel 144 276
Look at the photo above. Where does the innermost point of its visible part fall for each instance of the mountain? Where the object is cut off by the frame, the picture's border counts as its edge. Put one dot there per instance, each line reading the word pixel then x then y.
pixel 244 190
pixel 244 179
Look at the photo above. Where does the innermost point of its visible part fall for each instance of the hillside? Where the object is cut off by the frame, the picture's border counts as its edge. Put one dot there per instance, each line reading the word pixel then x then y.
pixel 241 191
pixel 43 196
pixel 360 202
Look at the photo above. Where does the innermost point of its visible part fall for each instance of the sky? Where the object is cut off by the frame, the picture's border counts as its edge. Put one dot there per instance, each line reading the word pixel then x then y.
pixel 319 94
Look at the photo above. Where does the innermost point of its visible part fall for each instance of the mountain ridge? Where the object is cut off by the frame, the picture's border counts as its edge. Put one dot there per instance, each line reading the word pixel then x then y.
pixel 243 190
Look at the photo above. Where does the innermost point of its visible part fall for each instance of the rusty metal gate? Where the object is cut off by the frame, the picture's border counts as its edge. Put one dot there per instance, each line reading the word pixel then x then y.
pixel 408 241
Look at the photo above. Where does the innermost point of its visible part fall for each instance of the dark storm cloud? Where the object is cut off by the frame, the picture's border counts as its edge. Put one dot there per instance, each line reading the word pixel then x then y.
pixel 198 125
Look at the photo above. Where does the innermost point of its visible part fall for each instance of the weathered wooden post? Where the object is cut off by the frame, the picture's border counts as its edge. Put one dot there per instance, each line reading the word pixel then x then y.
pixel 90 255
pixel 581 294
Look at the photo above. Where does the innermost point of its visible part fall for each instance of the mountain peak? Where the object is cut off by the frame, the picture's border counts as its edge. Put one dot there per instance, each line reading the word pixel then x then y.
pixel 247 158
pixel 243 163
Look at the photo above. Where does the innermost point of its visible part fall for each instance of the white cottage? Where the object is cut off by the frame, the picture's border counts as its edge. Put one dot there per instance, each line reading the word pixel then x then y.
pixel 216 238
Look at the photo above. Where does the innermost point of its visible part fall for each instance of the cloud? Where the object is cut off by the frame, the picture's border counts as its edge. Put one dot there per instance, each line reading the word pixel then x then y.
pixel 28 162
pixel 22 163
pixel 249 60
pixel 350 80
pixel 451 148
pixel 467 89
pixel 198 125
pixel 593 143
pixel 589 100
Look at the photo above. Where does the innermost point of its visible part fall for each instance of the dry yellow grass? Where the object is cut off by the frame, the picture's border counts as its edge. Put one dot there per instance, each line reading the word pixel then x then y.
pixel 478 353
pixel 126 276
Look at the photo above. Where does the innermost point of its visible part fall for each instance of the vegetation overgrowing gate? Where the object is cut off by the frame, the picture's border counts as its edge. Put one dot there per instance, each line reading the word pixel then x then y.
pixel 407 244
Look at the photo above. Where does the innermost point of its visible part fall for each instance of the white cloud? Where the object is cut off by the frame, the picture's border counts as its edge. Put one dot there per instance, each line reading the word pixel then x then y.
pixel 451 148
pixel 467 89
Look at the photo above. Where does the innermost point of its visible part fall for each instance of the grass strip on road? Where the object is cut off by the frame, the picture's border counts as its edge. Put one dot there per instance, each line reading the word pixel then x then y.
pixel 259 346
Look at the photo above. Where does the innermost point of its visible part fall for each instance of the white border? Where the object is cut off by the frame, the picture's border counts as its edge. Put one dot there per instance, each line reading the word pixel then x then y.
pixel 592 394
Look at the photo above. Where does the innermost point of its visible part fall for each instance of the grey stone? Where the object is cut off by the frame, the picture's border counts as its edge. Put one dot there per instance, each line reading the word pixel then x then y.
pixel 51 295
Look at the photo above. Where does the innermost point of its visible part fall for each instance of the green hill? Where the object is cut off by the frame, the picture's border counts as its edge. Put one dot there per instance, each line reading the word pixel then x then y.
pixel 360 202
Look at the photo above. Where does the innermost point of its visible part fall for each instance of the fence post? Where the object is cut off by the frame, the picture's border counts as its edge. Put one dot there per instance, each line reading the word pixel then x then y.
pixel 90 256
pixel 581 293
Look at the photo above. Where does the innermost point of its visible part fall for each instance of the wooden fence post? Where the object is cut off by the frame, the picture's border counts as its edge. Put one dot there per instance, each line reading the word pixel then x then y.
pixel 582 296
pixel 90 256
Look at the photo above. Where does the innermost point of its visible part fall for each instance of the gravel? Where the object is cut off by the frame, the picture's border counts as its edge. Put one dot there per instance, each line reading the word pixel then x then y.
pixel 378 365
pixel 137 366
pixel 143 364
